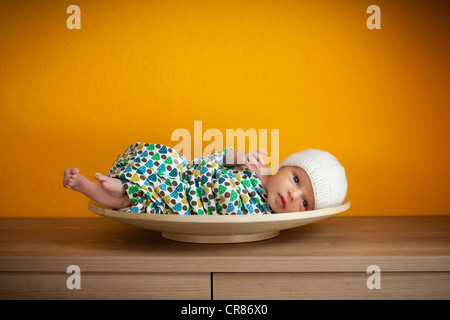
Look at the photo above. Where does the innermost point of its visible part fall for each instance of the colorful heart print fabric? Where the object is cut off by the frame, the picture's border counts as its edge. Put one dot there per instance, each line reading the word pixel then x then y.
pixel 159 180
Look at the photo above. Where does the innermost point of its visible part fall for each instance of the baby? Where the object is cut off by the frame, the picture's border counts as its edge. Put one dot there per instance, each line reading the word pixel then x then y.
pixel 154 178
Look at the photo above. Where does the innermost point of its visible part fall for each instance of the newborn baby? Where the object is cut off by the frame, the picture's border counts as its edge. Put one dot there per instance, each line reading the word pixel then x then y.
pixel 154 178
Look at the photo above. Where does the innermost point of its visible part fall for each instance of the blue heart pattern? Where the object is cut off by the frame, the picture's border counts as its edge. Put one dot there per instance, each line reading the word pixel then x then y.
pixel 159 180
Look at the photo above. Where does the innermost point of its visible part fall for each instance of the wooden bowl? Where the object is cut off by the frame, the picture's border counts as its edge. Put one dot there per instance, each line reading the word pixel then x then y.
pixel 218 228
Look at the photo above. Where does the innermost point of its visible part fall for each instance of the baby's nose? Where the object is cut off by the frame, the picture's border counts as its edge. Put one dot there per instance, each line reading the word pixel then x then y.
pixel 295 194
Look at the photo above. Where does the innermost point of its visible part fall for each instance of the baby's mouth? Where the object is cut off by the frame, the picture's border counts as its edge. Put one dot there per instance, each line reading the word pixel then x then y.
pixel 281 201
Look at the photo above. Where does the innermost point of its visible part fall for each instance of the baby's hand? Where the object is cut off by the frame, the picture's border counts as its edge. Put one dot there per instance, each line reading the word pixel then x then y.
pixel 253 160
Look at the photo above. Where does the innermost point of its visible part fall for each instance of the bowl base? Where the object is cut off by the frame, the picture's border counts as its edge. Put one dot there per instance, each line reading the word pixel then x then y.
pixel 235 238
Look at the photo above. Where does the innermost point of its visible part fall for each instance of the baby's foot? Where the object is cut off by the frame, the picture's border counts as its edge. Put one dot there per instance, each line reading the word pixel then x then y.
pixel 114 186
pixel 71 178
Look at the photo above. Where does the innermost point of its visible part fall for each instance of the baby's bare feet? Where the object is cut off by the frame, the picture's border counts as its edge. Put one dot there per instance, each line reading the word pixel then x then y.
pixel 109 192
pixel 71 178
pixel 112 185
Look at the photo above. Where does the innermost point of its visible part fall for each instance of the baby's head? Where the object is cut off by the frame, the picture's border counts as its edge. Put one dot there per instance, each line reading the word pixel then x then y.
pixel 307 180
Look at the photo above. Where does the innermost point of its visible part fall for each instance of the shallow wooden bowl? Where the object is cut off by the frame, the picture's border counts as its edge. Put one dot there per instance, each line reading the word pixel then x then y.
pixel 218 228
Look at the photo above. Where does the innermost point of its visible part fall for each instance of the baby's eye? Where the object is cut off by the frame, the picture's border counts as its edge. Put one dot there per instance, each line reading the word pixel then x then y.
pixel 305 204
pixel 296 180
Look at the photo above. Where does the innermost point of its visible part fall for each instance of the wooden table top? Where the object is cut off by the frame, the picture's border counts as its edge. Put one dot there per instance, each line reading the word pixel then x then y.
pixel 337 244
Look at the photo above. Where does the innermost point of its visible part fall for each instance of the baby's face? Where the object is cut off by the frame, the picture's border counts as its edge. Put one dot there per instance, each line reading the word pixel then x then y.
pixel 290 190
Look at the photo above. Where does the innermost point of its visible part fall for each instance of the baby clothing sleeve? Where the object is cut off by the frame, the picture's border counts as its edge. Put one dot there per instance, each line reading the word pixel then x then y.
pixel 214 160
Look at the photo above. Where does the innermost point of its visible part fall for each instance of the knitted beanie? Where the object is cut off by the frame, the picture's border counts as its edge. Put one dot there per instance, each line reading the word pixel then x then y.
pixel 327 176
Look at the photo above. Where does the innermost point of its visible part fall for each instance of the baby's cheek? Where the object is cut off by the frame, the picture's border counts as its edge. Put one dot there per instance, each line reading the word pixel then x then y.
pixel 270 199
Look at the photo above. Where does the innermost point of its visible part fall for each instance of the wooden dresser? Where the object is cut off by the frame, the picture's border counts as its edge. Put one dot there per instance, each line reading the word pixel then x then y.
pixel 330 259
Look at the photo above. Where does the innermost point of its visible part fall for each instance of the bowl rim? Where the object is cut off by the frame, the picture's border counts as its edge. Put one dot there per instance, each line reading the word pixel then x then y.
pixel 325 212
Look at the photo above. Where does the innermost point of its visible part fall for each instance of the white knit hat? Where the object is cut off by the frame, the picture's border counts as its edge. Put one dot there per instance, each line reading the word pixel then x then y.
pixel 327 176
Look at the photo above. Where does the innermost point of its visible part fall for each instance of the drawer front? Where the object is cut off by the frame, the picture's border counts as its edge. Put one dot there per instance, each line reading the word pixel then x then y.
pixel 286 286
pixel 155 286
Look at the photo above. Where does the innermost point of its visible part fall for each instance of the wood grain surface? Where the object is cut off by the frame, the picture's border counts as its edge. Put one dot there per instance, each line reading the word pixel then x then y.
pixel 413 254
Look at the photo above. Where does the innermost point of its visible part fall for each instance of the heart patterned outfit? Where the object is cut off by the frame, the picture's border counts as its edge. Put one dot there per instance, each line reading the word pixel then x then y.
pixel 160 180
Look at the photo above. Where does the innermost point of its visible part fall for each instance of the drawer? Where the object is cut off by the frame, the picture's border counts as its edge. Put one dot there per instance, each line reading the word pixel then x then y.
pixel 342 285
pixel 155 286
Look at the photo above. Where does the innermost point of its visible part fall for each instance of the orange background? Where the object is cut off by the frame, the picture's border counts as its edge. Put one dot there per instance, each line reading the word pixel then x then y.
pixel 138 70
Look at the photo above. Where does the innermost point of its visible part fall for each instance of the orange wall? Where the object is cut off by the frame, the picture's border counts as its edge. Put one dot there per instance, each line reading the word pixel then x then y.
pixel 138 70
